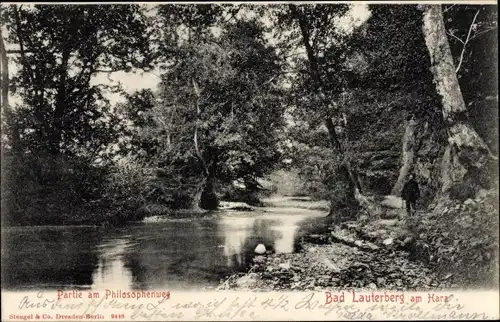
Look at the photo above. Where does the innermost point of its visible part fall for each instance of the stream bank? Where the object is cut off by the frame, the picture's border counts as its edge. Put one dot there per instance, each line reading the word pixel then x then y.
pixel 324 264
pixel 391 253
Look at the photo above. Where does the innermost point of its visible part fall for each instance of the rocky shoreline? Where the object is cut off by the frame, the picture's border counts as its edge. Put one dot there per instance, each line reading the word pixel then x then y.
pixel 386 254
pixel 335 266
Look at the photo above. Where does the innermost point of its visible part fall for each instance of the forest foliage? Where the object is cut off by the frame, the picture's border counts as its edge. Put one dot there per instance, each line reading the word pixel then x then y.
pixel 244 90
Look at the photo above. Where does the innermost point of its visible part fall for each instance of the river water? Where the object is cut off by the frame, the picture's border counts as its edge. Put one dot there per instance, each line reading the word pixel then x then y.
pixel 187 254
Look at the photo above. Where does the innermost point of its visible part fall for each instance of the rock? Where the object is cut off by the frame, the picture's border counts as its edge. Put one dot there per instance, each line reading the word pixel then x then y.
pixel 482 193
pixel 248 280
pixel 372 286
pixel 284 265
pixel 388 241
pixel 359 264
pixel 469 202
pixel 358 243
pixel 392 213
pixel 328 263
pixel 240 206
pixel 407 240
pixel 260 249
pixel 311 249
pixel 392 202
pixel 259 259
pixel 387 222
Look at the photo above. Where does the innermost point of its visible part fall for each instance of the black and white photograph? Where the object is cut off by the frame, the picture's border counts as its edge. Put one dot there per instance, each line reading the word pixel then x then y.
pixel 326 147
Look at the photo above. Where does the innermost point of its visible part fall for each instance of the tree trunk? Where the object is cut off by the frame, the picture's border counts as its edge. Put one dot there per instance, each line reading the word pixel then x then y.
pixel 205 197
pixel 5 73
pixel 197 196
pixel 466 151
pixel 208 198
pixel 407 159
pixel 346 173
pixel 16 137
pixel 60 105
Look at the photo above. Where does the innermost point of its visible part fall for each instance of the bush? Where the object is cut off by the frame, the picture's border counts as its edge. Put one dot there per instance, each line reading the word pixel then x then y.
pixel 126 188
pixel 287 183
pixel 41 190
pixel 463 239
pixel 58 190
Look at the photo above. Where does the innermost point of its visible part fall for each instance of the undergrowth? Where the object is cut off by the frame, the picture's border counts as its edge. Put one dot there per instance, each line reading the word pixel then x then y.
pixel 462 239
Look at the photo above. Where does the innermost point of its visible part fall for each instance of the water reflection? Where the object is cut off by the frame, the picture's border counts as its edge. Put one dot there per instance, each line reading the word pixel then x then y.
pixel 236 231
pixel 168 255
pixel 288 230
pixel 111 272
pixel 48 257
pixel 175 255
pixel 243 234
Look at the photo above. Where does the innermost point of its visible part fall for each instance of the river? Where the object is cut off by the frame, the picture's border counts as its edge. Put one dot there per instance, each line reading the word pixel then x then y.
pixel 187 254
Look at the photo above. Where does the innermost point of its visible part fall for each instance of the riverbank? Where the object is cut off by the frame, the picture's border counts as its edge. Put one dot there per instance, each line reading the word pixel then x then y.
pixel 336 266
pixel 154 213
pixel 190 253
pixel 427 251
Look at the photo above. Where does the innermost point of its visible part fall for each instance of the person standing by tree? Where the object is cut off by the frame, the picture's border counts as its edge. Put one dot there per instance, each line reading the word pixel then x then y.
pixel 410 194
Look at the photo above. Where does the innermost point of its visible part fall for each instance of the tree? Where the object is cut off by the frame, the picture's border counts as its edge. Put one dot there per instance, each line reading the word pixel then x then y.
pixel 61 49
pixel 326 50
pixel 10 125
pixel 466 153
pixel 218 110
pixel 57 136
pixel 472 32
pixel 394 109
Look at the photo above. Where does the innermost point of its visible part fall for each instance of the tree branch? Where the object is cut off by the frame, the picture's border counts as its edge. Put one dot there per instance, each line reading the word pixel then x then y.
pixel 478 34
pixel 466 42
pixel 195 136
pixel 106 71
pixel 452 35
pixel 448 8
pixel 5 74
pixel 18 51
pixel 20 39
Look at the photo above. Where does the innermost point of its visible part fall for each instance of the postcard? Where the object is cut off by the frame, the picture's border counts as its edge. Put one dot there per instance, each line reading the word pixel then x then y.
pixel 267 161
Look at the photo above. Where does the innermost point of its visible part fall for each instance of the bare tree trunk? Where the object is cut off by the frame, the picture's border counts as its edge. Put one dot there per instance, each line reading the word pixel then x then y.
pixel 407 159
pixel 60 105
pixel 195 135
pixel 348 174
pixel 5 73
pixel 465 145
pixel 4 103
pixel 205 197
pixel 197 196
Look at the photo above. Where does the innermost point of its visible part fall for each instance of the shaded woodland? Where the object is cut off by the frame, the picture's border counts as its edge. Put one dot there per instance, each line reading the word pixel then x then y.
pixel 347 109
